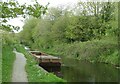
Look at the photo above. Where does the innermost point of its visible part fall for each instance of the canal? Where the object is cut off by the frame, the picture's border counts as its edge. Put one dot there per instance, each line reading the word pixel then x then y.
pixel 83 71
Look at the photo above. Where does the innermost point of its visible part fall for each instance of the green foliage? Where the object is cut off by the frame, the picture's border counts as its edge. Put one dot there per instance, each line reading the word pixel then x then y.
pixel 53 13
pixel 110 58
pixel 80 28
pixel 8 58
pixel 58 30
pixel 36 74
pixel 104 50
pixel 83 35
pixel 106 12
pixel 26 35
pixel 42 34
pixel 7 40
pixel 59 26
pixel 13 9
pixel 0 58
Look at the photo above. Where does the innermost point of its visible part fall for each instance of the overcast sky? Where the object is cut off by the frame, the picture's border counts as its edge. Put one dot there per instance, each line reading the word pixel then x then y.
pixel 53 3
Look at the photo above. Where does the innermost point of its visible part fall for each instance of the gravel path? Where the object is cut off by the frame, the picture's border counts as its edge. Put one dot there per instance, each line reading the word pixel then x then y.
pixel 19 73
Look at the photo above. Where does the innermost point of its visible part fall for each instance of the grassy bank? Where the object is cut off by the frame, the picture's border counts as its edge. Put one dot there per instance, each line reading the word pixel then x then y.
pixel 8 58
pixel 0 61
pixel 35 74
pixel 104 50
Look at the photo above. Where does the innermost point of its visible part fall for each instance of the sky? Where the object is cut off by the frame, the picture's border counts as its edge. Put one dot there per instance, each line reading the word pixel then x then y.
pixel 53 3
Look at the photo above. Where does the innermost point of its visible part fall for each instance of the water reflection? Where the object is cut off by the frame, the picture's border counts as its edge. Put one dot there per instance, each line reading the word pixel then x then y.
pixel 82 71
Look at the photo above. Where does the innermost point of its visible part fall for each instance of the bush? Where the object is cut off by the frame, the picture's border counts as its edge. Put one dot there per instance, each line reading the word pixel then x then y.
pixel 103 50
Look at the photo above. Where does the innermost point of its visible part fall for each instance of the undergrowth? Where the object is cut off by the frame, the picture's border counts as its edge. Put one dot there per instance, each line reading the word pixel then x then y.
pixel 104 50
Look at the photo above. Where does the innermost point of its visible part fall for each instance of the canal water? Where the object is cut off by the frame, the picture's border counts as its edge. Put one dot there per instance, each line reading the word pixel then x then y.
pixel 83 71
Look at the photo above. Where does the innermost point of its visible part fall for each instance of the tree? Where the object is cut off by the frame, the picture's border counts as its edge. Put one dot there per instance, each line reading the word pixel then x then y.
pixel 107 11
pixel 80 28
pixel 26 35
pixel 42 34
pixel 13 9
pixel 59 29
pixel 53 13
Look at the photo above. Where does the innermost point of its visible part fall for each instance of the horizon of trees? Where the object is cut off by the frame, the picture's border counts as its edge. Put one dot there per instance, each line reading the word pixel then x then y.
pixel 59 25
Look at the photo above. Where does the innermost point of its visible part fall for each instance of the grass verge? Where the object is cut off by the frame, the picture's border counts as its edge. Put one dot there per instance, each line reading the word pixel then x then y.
pixel 35 74
pixel 0 69
pixel 8 58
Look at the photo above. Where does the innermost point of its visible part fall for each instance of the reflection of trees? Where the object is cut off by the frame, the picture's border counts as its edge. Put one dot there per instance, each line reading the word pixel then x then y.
pixel 85 71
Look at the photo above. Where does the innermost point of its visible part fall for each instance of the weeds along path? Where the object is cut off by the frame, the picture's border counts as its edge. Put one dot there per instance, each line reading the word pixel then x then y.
pixel 19 72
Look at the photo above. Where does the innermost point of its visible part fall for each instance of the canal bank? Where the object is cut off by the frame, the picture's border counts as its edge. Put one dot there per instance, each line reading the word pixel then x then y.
pixel 101 56
pixel 102 51
pixel 74 70
pixel 36 74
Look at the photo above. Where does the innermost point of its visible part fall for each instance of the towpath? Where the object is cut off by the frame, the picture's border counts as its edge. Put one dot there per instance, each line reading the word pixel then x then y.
pixel 19 72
